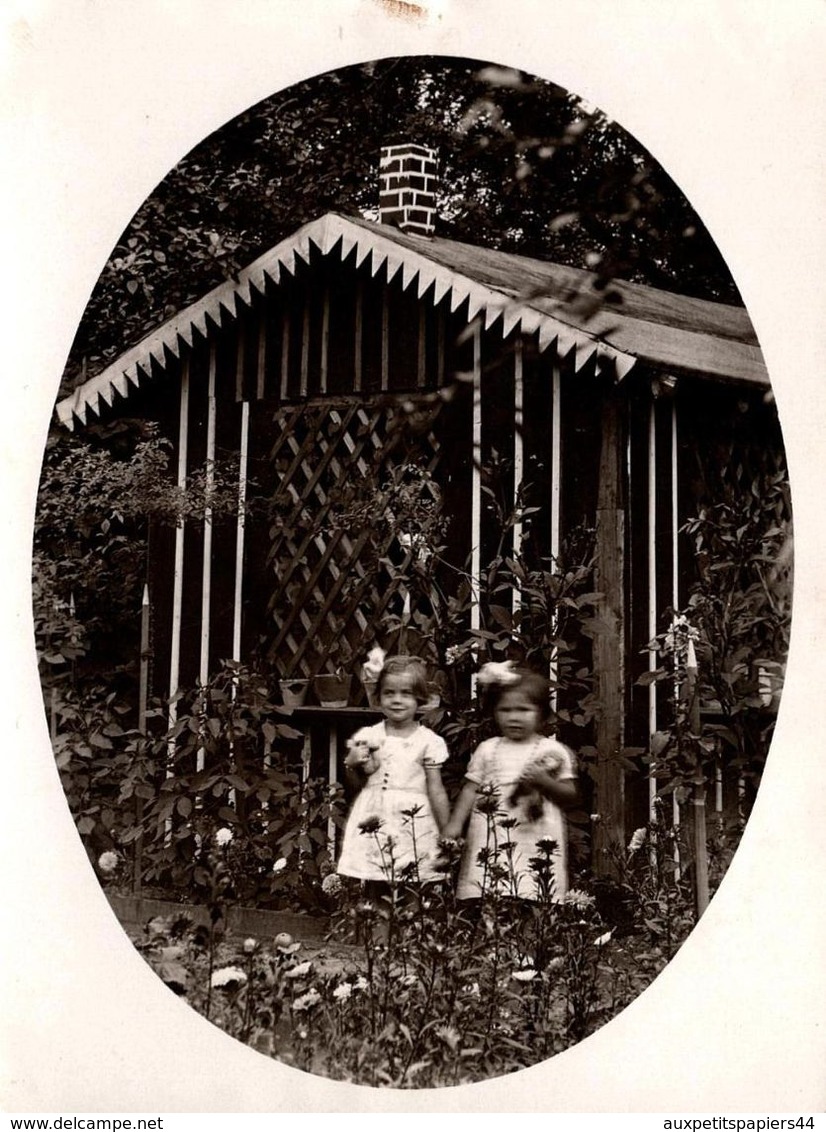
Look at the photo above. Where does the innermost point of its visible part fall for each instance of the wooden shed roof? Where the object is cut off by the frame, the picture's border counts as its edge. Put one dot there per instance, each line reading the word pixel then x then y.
pixel 560 304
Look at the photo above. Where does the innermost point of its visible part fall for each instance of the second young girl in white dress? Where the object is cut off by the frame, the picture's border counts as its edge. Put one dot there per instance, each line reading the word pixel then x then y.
pixel 532 781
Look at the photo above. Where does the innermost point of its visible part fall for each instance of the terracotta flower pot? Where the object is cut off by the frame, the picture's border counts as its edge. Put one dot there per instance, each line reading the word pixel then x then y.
pixel 332 690
pixel 293 692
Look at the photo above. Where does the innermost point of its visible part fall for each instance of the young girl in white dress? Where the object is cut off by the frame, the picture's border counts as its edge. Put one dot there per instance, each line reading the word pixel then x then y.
pixel 533 781
pixel 398 762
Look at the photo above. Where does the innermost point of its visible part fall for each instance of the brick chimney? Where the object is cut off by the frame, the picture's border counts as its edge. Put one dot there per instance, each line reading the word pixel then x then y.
pixel 407 187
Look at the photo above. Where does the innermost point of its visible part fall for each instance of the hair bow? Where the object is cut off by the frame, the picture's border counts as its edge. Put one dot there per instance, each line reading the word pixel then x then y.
pixel 497 672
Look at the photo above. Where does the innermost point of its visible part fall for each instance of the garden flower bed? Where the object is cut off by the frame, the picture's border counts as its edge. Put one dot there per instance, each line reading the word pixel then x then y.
pixel 410 988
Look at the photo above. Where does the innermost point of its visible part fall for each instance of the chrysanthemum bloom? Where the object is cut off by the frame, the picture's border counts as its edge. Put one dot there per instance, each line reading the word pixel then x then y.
pixel 300 970
pixel 450 1036
pixel 343 991
pixel 250 945
pixel 576 898
pixel 524 974
pixel 331 884
pixel 223 836
pixel 285 942
pixel 370 825
pixel 488 799
pixel 108 862
pixel 307 1000
pixel 280 865
pixel 361 983
pixel 228 978
pixel 637 839
pixel 555 964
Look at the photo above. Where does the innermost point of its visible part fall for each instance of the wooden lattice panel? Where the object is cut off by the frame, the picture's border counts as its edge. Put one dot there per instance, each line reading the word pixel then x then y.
pixel 328 537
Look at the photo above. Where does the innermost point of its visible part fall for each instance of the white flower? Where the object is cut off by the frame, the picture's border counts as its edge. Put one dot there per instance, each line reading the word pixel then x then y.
pixel 524 974
pixel 228 977
pixel 331 884
pixel 300 970
pixel 283 940
pixel 472 989
pixel 108 862
pixel 250 945
pixel 343 991
pixel 361 983
pixel 555 964
pixel 408 980
pixel 280 865
pixel 497 672
pixel 308 999
pixel 603 939
pixel 223 836
pixel 578 899
pixel 374 663
pixel 637 839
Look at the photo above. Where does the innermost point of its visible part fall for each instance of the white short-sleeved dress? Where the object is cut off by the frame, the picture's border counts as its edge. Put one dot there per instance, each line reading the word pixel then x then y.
pixel 397 785
pixel 499 762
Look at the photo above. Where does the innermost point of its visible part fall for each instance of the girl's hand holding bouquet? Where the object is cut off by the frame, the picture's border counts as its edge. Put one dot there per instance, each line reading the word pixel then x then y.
pixel 362 755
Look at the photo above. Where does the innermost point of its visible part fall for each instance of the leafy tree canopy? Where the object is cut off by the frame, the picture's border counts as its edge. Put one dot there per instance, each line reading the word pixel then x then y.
pixel 525 167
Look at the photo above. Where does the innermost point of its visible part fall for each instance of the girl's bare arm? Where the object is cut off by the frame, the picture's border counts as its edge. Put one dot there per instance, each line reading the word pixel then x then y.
pixel 438 796
pixel 461 811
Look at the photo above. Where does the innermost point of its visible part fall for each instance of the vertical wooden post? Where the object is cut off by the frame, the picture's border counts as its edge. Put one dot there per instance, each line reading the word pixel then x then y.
pixel 358 344
pixel 325 338
pixel 305 348
pixel 441 336
pixel 518 456
pixel 652 588
pixel 476 487
pixel 261 368
pixel 332 776
pixel 143 708
pixel 206 571
pixel 675 590
pixel 699 787
pixel 385 338
pixel 609 669
pixel 177 579
pixel 237 604
pixel 285 350
pixel 556 497
pixel 421 358
pixel 243 450
pixel 178 575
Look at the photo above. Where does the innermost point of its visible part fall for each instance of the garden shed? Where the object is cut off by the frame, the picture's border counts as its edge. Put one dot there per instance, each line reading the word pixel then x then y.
pixel 401 411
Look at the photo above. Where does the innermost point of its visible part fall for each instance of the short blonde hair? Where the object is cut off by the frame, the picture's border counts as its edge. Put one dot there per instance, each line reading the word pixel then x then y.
pixel 412 666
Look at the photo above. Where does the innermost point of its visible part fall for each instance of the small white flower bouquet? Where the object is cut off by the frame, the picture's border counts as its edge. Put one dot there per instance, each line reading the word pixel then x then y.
pixel 362 754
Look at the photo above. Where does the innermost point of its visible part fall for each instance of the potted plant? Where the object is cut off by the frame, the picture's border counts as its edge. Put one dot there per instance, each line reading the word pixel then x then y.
pixel 332 687
pixel 294 690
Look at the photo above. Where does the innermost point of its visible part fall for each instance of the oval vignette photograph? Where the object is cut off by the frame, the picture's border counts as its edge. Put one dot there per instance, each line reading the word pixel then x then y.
pixel 412 573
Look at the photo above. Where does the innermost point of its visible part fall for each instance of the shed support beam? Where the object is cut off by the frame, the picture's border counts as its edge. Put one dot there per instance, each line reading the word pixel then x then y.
pixel 609 668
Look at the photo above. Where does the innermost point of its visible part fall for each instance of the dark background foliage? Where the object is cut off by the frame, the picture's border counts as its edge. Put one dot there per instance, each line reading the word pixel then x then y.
pixel 524 166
